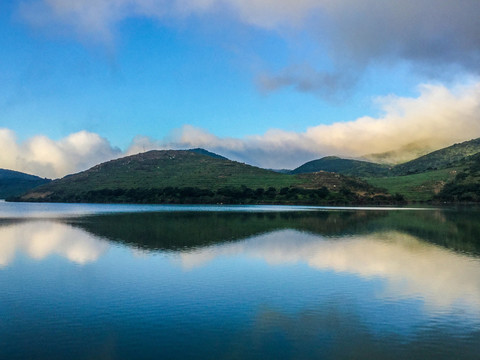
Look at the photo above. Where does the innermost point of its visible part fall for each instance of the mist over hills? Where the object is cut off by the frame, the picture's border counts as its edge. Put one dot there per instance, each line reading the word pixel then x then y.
pixel 441 159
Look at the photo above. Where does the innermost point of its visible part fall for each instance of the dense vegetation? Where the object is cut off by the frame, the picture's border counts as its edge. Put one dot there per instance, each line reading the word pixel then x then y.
pixel 225 195
pixel 465 187
pixel 13 183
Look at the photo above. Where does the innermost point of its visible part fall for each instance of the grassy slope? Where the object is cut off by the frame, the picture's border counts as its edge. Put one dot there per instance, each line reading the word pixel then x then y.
pixel 416 187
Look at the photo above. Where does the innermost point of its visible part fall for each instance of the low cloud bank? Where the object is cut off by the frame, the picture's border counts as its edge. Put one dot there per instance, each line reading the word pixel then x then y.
pixel 438 117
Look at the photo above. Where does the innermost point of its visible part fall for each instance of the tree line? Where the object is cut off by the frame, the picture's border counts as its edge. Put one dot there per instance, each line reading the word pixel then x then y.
pixel 224 195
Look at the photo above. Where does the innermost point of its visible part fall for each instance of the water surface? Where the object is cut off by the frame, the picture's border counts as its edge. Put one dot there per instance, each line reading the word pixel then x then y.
pixel 123 282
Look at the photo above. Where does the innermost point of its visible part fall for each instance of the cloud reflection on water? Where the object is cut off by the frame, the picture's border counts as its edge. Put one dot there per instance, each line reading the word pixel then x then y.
pixel 39 239
pixel 410 267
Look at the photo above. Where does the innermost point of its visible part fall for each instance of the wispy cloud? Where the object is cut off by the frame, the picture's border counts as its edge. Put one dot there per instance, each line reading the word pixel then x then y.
pixel 432 35
pixel 305 78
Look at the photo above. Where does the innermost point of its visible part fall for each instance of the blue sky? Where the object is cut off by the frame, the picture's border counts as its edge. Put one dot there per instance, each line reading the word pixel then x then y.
pixel 272 83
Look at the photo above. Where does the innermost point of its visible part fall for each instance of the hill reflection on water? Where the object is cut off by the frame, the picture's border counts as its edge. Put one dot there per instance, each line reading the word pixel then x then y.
pixel 431 253
pixel 174 231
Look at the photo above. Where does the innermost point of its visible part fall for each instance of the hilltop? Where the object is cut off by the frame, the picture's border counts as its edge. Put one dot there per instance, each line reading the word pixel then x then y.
pixel 183 176
pixel 13 183
pixel 208 153
pixel 348 167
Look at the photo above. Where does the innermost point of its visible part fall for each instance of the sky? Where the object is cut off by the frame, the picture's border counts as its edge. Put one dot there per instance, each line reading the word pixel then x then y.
pixel 269 83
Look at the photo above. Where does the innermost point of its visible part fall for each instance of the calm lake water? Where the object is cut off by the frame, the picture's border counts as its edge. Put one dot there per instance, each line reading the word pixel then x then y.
pixel 179 282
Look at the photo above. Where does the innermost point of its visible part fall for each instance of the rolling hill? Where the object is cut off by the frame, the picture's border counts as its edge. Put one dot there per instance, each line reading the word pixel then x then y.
pixel 13 183
pixel 183 176
pixel 447 174
pixel 421 179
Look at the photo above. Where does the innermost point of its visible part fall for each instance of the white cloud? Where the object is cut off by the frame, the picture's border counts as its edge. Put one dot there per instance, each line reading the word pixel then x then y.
pixel 48 158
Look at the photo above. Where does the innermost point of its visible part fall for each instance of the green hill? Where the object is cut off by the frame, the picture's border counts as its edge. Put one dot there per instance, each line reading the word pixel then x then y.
pixel 13 183
pixel 182 176
pixel 343 166
pixel 445 158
